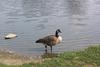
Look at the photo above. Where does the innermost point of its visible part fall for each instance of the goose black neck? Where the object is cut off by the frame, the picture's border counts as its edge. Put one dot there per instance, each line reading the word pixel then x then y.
pixel 56 34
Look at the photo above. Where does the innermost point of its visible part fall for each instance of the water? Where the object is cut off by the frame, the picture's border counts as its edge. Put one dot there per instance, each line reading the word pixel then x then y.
pixel 79 21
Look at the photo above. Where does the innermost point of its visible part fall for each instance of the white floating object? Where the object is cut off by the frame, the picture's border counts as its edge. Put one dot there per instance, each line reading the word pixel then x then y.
pixel 10 36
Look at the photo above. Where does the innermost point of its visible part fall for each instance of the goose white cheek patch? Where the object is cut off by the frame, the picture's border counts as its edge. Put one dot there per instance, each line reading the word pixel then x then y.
pixel 60 38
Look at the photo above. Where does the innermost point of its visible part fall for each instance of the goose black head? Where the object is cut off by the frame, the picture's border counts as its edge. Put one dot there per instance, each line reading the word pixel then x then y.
pixel 59 31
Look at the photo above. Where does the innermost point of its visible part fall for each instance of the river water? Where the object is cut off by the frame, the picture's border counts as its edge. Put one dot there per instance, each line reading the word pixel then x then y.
pixel 79 21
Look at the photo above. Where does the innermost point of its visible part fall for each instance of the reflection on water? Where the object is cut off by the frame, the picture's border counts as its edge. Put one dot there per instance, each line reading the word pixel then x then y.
pixel 43 8
pixel 49 55
pixel 78 7
pixel 33 19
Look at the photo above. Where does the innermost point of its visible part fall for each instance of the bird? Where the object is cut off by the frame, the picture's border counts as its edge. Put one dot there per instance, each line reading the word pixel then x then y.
pixel 50 40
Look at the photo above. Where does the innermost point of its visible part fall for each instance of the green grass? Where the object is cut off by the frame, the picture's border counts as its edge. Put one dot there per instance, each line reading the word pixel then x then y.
pixel 90 57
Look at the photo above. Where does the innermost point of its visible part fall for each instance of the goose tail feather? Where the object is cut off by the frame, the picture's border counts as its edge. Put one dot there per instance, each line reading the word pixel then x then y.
pixel 39 41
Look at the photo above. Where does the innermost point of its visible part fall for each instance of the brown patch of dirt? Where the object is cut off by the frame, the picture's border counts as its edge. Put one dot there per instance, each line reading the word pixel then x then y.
pixel 14 59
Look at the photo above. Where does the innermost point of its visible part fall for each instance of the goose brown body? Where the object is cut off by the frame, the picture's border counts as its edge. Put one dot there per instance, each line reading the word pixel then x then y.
pixel 51 40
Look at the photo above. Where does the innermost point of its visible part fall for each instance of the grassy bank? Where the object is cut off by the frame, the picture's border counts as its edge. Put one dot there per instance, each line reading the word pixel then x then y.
pixel 90 57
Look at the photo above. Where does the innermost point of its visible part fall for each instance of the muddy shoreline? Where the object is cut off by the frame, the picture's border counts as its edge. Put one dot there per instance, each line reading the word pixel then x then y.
pixel 11 58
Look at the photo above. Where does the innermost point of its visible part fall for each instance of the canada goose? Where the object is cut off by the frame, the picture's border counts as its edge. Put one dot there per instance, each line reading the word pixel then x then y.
pixel 51 40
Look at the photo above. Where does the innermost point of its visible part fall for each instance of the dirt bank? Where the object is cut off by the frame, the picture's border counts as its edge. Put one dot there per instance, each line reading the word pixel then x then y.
pixel 7 57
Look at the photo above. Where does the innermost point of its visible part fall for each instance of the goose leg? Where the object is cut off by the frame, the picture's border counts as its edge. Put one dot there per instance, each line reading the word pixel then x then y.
pixel 51 48
pixel 46 48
